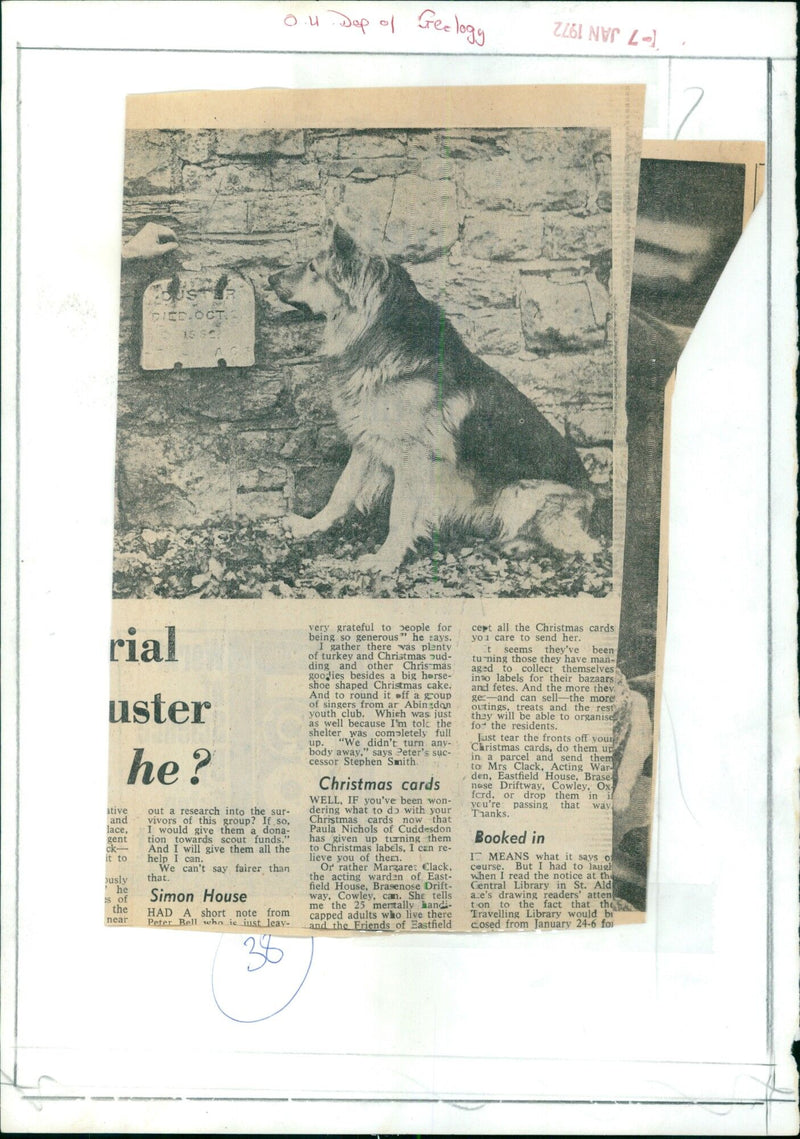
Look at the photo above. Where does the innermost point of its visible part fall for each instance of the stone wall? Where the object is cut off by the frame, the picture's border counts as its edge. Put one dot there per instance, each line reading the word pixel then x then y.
pixel 509 230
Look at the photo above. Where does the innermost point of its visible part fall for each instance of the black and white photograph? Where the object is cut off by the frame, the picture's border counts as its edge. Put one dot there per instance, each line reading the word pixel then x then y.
pixel 365 363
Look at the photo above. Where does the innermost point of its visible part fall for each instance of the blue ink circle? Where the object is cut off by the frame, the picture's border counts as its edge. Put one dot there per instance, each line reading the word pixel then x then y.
pixel 275 1012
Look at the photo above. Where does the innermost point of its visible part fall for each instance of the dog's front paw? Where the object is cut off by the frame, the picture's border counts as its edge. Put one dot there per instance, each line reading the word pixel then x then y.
pixel 375 563
pixel 299 527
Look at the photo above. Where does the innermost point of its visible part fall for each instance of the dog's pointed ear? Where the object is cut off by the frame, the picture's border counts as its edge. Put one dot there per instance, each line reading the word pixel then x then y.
pixel 343 244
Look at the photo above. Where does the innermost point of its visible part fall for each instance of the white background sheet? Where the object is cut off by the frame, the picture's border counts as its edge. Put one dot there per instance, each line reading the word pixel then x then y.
pixel 679 1025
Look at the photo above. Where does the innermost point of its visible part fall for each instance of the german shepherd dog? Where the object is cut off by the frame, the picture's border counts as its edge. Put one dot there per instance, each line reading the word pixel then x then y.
pixel 427 420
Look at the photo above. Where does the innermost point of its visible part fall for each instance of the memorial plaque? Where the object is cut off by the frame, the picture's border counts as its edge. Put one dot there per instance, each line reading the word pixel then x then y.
pixel 198 320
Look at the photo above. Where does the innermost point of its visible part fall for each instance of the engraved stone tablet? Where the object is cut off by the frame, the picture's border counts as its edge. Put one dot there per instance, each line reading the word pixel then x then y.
pixel 198 320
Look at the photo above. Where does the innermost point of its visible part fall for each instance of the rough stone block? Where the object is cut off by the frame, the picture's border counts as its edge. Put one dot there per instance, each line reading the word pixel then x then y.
pixel 289 339
pixel 591 425
pixel 300 443
pixel 322 145
pixel 254 449
pixel 266 399
pixel 566 235
pixel 365 209
pixel 499 236
pixel 264 476
pixel 227 395
pixel 204 180
pixel 178 477
pixel 438 169
pixel 354 170
pixel 259 479
pixel 436 282
pixel 247 481
pixel 331 445
pixel 251 142
pixel 474 144
pixel 567 189
pixel 190 215
pixel 144 404
pixel 309 241
pixel 312 403
pixel 508 183
pixel 423 220
pixel 223 215
pixel 278 212
pixel 310 389
pixel 254 257
pixel 288 173
pixel 235 178
pixel 150 164
pixel 195 146
pixel 558 317
pixel 473 284
pixel 562 376
pixel 167 209
pixel 422 141
pixel 494 331
pixel 567 146
pixel 313 485
pixel 407 216
pixel 365 144
pixel 332 193
pixel 256 503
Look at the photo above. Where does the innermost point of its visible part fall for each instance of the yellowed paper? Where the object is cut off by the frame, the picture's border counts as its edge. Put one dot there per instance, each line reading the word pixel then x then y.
pixel 403 722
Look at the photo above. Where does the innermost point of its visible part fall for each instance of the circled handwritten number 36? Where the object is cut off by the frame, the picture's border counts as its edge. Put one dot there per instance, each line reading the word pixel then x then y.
pixel 269 954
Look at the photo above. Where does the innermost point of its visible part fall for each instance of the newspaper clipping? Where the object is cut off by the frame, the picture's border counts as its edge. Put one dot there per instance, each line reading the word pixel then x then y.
pixel 694 199
pixel 370 510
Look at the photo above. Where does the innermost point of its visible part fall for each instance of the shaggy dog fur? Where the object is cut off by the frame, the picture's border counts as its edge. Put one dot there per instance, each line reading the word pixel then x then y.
pixel 451 439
